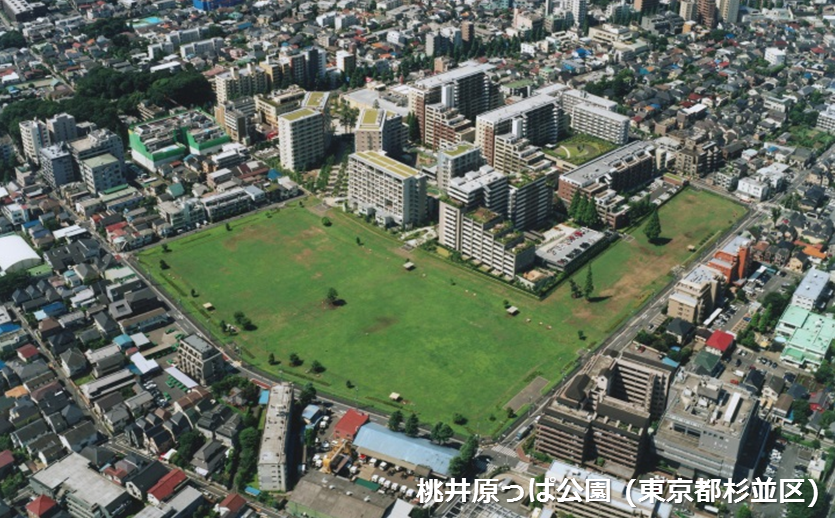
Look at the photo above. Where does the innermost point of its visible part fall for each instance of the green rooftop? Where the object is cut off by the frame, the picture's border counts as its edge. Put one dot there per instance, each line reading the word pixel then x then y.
pixel 806 336
pixel 388 164
pixel 314 99
pixel 298 114
pixel 459 149
pixel 369 118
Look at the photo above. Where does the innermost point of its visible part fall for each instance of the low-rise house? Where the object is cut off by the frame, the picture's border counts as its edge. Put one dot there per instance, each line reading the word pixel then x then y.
pixel 80 437
pixel 73 362
pixel 166 487
pixel 209 458
pixel 145 478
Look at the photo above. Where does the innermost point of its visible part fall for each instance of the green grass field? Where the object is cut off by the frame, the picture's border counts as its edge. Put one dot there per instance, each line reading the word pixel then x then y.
pixel 579 149
pixel 437 335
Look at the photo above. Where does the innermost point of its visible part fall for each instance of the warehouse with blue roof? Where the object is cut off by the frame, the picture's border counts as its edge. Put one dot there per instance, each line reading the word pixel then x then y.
pixel 419 455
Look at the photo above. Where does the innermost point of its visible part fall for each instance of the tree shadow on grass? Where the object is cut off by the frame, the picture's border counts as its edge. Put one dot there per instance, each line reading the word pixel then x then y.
pixel 661 241
pixel 602 298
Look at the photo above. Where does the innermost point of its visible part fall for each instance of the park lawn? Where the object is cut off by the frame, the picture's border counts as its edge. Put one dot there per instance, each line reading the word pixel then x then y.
pixel 579 149
pixel 438 335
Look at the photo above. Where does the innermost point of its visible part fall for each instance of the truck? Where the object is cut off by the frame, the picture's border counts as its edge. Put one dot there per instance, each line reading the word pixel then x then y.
pixel 523 432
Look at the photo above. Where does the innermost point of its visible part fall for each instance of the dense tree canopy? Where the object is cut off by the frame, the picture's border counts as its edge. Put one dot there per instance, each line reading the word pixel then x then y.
pixel 12 39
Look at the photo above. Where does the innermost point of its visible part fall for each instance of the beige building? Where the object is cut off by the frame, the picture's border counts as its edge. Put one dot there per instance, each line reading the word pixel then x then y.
pixel 455 161
pixel 696 295
pixel 241 82
pixel 380 130
pixel 601 123
pixel 269 107
pixel 394 193
pixel 101 173
pixel 199 360
pixel 301 138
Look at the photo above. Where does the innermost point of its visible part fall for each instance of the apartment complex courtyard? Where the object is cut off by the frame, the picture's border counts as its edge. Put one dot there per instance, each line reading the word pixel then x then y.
pixel 437 335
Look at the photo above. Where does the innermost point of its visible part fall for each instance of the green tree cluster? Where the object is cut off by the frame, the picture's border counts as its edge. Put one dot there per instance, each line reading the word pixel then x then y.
pixel 463 465
pixel 248 443
pixel 187 445
pixel 653 227
pixel 584 211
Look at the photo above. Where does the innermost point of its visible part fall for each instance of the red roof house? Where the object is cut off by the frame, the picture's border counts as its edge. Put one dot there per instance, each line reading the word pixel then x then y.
pixel 719 343
pixel 6 462
pixel 166 486
pixel 42 507
pixel 231 506
pixel 349 425
pixel 28 353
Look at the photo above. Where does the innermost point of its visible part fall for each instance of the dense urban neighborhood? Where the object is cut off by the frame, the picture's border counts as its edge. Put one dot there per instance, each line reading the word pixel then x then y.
pixel 283 258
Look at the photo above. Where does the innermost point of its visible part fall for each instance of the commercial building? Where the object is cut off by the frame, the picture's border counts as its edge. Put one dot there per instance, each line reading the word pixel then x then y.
pixel 273 462
pixel 23 10
pixel 419 455
pixel 395 194
pixel 107 384
pixel 158 142
pixel 565 248
pixel 729 11
pixel 57 166
pixel 301 138
pixel 603 178
pixel 536 119
pixel 617 506
pixel 710 429
pixel 455 161
pixel 380 130
pixel 733 260
pixel 86 493
pixel 199 360
pixel 696 295
pixel 101 173
pixel 601 123
pixel 811 291
pixel 211 5
pixel 34 136
pixel 241 82
pixel 336 497
pixel 469 90
pixel 183 213
pixel 805 336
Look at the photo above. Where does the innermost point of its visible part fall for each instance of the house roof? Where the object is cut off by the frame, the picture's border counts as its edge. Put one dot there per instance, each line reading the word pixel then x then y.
pixel 720 340
pixel 6 458
pixel 41 506
pixel 234 502
pixel 167 484
pixel 28 351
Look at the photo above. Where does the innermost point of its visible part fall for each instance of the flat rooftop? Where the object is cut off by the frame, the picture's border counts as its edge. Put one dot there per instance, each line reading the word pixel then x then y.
pixel 812 285
pixel 469 69
pixel 381 161
pixel 74 474
pixel 298 114
pixel 589 173
pixel 514 110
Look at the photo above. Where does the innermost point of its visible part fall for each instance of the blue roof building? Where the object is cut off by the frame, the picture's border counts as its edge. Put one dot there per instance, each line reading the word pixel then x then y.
pixel 377 441
pixel 123 341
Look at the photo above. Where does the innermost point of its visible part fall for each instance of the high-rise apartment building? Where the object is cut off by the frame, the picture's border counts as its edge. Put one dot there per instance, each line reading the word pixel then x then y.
pixel 706 12
pixel 579 11
pixel 346 62
pixel 687 10
pixel 241 82
pixel 102 172
pixel 729 11
pixel 455 161
pixel 472 92
pixel 269 107
pixel 273 458
pixel 394 193
pixel 57 166
pixel 62 128
pixel 98 142
pixel 646 6
pixel 536 119
pixel 301 138
pixel 34 136
pixel 380 130
pixel 603 124
pixel 199 360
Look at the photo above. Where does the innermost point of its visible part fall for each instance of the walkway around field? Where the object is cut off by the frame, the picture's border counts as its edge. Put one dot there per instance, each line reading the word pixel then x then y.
pixel 528 394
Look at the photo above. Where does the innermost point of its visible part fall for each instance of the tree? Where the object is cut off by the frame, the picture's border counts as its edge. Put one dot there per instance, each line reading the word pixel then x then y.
pixel 463 464
pixel 228 227
pixel 187 445
pixel 459 419
pixel 310 439
pixel 802 411
pixel 412 426
pixel 307 395
pixel 588 289
pixel 316 367
pixel 576 292
pixel 653 227
pixel 441 433
pixel 163 265
pixel 165 248
pixel 326 222
pixel 414 127
pixel 12 39
pixel 332 296
pixel 295 360
pixel 395 420
pixel 743 512
pixel 272 359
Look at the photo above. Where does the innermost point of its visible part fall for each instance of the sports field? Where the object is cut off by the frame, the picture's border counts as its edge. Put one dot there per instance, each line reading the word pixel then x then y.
pixel 437 335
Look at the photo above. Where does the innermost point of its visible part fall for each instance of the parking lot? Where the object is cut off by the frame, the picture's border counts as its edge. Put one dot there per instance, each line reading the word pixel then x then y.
pixel 780 463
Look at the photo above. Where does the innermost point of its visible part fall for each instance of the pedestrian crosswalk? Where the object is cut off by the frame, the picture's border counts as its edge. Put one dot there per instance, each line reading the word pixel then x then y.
pixel 504 450
pixel 521 467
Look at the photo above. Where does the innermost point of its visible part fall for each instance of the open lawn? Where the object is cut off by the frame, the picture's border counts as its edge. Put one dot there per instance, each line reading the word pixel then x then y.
pixel 437 335
pixel 579 149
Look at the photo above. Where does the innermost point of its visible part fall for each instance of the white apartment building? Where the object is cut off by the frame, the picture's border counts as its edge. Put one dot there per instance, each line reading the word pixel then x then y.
pixel 57 166
pixel 394 193
pixel 601 123
pixel 826 119
pixel 810 293
pixel 227 203
pixel 35 136
pixel 301 138
pixel 775 56
pixel 102 172
pixel 753 189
